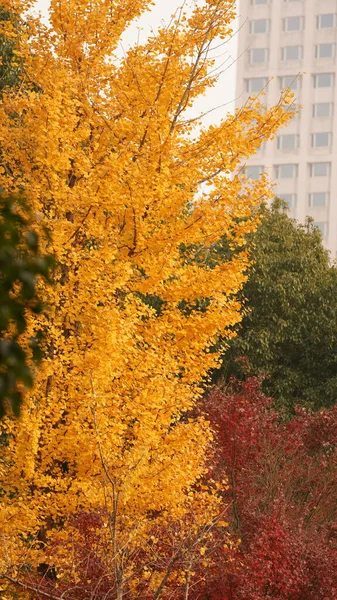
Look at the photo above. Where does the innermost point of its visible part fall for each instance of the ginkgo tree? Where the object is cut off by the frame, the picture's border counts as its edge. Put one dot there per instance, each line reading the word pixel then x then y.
pixel 123 178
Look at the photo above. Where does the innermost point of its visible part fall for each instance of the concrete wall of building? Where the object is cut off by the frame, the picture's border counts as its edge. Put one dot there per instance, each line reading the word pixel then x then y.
pixel 310 190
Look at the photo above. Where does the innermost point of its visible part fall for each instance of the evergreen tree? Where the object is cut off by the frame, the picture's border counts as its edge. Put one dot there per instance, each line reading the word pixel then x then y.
pixel 289 329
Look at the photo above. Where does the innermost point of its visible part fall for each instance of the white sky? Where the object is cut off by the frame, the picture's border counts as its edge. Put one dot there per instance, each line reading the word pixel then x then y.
pixel 223 94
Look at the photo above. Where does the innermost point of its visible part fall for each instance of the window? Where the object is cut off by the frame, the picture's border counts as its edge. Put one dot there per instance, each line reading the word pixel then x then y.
pixel 323 80
pixel 286 171
pixel 290 81
pixel 323 227
pixel 293 23
pixel 322 109
pixel 325 50
pixel 292 52
pixel 321 140
pixel 318 199
pixel 254 171
pixel 320 169
pixel 327 20
pixel 290 199
pixel 259 26
pixel 258 55
pixel 256 84
pixel 260 1
pixel 288 141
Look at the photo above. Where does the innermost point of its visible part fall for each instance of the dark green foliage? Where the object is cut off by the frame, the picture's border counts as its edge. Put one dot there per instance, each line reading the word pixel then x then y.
pixel 9 69
pixel 152 301
pixel 20 266
pixel 289 331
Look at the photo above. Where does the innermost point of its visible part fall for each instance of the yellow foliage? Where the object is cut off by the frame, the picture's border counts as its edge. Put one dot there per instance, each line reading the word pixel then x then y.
pixel 124 181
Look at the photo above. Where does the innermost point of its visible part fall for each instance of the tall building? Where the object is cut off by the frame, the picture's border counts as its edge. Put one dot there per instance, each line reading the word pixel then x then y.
pixel 292 43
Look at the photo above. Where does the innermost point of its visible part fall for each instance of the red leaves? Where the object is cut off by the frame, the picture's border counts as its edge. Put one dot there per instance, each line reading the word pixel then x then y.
pixel 282 478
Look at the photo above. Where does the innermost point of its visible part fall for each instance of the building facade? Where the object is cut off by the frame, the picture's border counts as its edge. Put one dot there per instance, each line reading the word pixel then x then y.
pixel 293 43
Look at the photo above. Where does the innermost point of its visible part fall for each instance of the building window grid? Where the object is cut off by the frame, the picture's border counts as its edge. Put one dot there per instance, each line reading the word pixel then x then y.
pixel 325 50
pixel 293 23
pixel 253 171
pixel 258 56
pixel 288 141
pixel 321 139
pixel 325 21
pixel 292 53
pixel 257 26
pixel 323 109
pixel 286 171
pixel 256 84
pixel 324 80
pixel 320 169
pixel 317 199
pixel 290 81
pixel 320 109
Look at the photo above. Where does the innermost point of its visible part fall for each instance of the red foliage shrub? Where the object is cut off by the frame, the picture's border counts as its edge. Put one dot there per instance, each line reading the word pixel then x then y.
pixel 282 492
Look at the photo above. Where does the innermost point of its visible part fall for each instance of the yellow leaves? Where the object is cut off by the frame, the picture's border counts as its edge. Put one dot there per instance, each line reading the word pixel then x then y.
pixel 134 198
pixel 146 573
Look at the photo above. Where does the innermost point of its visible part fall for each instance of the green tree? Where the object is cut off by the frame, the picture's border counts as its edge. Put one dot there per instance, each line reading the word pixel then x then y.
pixel 10 71
pixel 20 267
pixel 289 330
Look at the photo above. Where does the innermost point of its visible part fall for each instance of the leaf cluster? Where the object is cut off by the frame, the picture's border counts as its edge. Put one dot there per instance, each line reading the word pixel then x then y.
pixel 10 71
pixel 289 329
pixel 117 171
pixel 20 267
pixel 282 497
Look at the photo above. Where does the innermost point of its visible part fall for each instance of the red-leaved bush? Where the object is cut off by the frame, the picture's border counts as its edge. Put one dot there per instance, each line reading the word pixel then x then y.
pixel 283 498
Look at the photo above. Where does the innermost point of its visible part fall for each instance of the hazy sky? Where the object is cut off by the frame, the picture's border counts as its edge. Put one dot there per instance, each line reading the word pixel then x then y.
pixel 224 92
